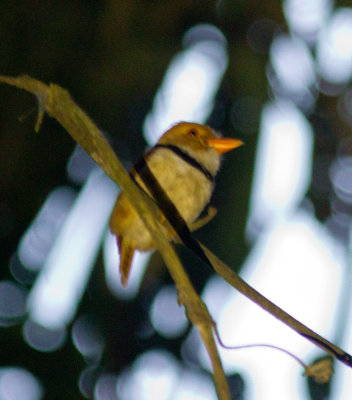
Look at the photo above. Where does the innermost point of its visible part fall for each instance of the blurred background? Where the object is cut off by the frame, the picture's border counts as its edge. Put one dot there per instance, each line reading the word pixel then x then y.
pixel 276 75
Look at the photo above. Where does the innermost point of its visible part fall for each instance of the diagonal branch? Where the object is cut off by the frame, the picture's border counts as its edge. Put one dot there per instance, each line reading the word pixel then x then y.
pixel 238 283
pixel 59 105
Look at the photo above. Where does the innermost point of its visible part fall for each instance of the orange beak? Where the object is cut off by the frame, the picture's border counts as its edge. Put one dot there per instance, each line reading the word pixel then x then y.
pixel 223 145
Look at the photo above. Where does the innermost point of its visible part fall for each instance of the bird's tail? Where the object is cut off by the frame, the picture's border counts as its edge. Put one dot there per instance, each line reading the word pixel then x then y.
pixel 126 250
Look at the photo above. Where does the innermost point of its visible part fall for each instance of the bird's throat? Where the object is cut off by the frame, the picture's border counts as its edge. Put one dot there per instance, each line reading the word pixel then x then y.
pixel 188 159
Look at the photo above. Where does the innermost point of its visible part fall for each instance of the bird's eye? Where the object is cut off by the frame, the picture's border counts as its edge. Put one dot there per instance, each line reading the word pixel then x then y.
pixel 193 132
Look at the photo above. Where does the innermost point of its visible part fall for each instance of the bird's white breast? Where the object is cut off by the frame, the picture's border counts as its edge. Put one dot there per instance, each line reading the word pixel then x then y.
pixel 186 186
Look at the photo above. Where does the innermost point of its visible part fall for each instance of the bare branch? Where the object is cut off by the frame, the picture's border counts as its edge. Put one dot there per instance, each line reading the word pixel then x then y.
pixel 59 105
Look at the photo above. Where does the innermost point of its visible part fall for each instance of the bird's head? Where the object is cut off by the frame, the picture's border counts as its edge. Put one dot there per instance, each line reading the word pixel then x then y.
pixel 201 142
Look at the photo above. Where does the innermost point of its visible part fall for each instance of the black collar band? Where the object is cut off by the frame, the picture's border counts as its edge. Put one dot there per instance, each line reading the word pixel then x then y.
pixel 188 159
pixel 167 207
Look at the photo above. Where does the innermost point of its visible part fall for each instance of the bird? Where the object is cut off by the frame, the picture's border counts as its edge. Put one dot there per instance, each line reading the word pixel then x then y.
pixel 184 161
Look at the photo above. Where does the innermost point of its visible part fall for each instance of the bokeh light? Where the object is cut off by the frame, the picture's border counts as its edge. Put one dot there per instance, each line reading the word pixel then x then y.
pixel 190 83
pixel 156 375
pixel 167 316
pixel 153 376
pixel 334 50
pixel 19 384
pixel 56 294
pixel 341 178
pixel 307 17
pixel 42 233
pixel 283 164
pixel 79 166
pixel 43 339
pixel 293 70
pixel 105 387
pixel 87 381
pixel 87 338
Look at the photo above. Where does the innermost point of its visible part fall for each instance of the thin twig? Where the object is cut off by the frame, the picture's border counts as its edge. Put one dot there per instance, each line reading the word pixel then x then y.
pixel 248 346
